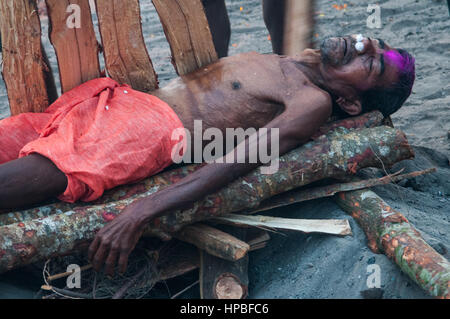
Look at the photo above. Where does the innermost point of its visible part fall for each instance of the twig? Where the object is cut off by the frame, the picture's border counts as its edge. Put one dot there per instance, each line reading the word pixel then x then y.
pixel 185 289
pixel 67 273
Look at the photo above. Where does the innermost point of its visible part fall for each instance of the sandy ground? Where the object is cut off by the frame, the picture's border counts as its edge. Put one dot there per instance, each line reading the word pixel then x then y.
pixel 317 266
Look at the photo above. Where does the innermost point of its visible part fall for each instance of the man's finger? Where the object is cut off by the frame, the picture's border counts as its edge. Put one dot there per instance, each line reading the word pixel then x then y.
pixel 123 260
pixel 100 256
pixel 93 248
pixel 110 262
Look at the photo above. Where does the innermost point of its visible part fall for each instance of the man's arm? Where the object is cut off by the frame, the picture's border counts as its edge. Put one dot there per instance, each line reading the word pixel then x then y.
pixel 118 238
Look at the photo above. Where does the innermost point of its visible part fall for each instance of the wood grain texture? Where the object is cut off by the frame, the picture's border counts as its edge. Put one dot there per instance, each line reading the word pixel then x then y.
pixel 24 65
pixel 76 48
pixel 187 30
pixel 126 56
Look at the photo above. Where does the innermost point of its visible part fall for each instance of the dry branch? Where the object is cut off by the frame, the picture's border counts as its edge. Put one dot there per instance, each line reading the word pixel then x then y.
pixel 332 155
pixel 389 232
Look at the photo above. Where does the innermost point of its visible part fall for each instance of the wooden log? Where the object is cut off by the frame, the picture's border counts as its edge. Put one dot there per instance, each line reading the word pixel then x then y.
pixel 389 232
pixel 367 120
pixel 126 55
pixel 299 26
pixel 302 195
pixel 72 34
pixel 187 31
pixel 339 227
pixel 213 241
pixel 224 279
pixel 332 155
pixel 24 68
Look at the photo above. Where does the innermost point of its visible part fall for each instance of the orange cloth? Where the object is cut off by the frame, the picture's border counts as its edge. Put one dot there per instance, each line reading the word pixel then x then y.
pixel 100 134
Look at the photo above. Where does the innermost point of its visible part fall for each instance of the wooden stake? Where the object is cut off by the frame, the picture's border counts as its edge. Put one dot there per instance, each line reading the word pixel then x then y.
pixel 72 34
pixel 187 30
pixel 24 68
pixel 126 55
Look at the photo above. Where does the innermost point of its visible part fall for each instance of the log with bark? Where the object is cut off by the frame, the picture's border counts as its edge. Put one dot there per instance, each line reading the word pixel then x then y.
pixel 339 153
pixel 389 232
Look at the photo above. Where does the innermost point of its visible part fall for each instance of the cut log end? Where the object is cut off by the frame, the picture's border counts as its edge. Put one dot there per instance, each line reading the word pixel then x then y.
pixel 229 287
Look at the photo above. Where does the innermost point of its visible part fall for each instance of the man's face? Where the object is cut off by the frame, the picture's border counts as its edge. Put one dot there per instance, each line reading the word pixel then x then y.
pixel 351 70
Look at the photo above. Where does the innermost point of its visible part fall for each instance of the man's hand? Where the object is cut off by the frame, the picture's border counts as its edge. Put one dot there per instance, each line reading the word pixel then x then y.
pixel 115 241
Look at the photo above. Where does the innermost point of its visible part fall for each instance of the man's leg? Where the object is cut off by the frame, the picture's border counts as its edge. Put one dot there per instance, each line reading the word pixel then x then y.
pixel 219 23
pixel 274 12
pixel 29 180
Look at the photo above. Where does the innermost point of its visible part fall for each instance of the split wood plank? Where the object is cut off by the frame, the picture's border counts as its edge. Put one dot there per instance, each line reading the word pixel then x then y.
pixel 188 33
pixel 339 227
pixel 72 34
pixel 126 56
pixel 24 67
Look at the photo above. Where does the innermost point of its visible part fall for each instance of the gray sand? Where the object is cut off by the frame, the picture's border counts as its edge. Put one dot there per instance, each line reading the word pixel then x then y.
pixel 316 266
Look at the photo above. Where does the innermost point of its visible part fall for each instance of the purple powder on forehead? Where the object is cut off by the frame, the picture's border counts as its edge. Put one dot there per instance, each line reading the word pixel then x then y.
pixel 403 63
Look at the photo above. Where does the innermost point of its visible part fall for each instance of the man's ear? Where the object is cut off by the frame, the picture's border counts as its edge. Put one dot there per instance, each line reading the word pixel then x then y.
pixel 351 107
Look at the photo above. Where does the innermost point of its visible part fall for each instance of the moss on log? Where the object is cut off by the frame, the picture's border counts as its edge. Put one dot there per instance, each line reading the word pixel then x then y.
pixel 332 155
pixel 389 232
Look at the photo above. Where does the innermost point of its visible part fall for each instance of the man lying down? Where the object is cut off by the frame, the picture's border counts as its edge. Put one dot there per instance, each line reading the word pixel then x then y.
pixel 101 134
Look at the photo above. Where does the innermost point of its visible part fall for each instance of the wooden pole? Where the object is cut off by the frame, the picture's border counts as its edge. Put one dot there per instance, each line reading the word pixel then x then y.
pixel 24 67
pixel 187 31
pixel 299 25
pixel 126 55
pixel 332 155
pixel 72 34
pixel 389 232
